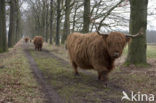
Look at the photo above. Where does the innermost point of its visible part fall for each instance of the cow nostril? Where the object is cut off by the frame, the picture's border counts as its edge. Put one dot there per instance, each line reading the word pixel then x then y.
pixel 116 54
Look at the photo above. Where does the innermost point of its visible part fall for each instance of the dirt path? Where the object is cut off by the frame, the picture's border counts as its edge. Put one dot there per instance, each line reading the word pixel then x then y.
pixel 110 84
pixel 66 63
pixel 50 94
pixel 54 74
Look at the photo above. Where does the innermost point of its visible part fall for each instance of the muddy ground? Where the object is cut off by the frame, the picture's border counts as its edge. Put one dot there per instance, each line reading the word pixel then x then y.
pixel 53 72
pixel 58 74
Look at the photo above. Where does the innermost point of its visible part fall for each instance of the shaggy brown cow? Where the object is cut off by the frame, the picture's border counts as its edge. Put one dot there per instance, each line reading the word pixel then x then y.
pixel 38 43
pixel 26 39
pixel 96 51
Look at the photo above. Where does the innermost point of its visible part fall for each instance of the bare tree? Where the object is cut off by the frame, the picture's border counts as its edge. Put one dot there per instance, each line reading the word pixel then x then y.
pixel 86 16
pixel 3 46
pixel 138 19
pixel 51 20
pixel 58 23
pixel 47 22
pixel 18 33
pixel 66 21
pixel 12 26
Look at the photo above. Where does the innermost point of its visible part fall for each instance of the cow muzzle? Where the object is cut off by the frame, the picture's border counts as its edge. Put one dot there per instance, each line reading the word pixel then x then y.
pixel 116 55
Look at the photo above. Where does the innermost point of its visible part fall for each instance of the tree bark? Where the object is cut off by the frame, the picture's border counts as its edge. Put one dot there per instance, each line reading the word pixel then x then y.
pixel 67 21
pixel 3 44
pixel 47 24
pixel 51 21
pixel 86 16
pixel 138 19
pixel 18 23
pixel 58 23
pixel 12 25
pixel 74 17
pixel 43 19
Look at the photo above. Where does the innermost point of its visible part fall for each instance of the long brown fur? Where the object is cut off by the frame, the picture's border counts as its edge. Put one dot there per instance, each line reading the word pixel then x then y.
pixel 93 51
pixel 38 43
pixel 26 39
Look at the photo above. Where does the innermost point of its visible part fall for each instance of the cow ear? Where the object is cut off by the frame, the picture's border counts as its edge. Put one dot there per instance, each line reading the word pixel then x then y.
pixel 128 39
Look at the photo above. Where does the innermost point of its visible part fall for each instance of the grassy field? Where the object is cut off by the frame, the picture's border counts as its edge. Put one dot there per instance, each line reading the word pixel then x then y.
pixel 17 84
pixel 151 51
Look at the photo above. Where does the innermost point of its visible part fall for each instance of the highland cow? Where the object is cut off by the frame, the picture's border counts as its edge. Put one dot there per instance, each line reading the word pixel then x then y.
pixel 26 39
pixel 38 42
pixel 96 51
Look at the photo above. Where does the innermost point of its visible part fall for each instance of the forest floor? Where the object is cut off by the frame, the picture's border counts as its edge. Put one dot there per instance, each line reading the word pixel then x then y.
pixel 57 83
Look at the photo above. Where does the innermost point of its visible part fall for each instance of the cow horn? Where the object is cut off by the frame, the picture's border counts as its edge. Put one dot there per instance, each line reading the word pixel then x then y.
pixel 139 33
pixel 97 30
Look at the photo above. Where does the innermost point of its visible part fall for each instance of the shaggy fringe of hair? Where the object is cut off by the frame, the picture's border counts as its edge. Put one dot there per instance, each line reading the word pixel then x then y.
pixel 90 50
pixel 38 41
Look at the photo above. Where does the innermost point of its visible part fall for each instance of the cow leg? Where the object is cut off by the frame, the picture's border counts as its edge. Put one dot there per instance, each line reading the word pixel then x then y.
pixel 99 75
pixel 75 68
pixel 102 72
pixel 103 75
pixel 35 48
pixel 40 47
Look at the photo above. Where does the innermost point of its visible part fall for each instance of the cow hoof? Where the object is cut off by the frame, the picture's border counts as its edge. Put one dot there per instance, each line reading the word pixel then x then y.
pixel 77 74
pixel 104 79
pixel 105 84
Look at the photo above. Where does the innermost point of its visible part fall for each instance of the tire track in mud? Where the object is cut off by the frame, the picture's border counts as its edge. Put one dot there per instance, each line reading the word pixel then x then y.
pixel 50 94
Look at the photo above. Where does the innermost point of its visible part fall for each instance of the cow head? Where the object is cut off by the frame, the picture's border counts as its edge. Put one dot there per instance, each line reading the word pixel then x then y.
pixel 116 41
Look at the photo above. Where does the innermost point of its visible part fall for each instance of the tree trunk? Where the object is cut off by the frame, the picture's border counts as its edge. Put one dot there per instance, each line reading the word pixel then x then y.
pixel 3 46
pixel 86 16
pixel 18 23
pixel 67 21
pixel 138 19
pixel 58 23
pixel 43 19
pixel 12 25
pixel 47 24
pixel 51 21
pixel 74 17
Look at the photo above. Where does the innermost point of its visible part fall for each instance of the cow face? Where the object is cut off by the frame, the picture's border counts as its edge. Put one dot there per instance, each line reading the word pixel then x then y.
pixel 116 42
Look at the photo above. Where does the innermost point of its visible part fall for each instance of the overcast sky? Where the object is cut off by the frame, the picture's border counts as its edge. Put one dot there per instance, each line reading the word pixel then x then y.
pixel 151 25
pixel 152 19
